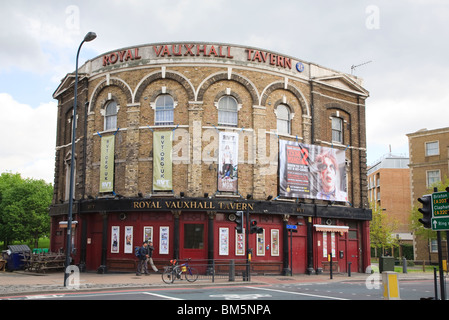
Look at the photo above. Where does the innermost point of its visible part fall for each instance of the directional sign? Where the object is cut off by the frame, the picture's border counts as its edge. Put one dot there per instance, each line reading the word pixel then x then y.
pixel 440 224
pixel 440 204
pixel 292 226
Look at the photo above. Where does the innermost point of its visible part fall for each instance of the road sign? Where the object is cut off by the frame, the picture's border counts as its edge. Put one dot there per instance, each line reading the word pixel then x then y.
pixel 292 226
pixel 440 204
pixel 440 224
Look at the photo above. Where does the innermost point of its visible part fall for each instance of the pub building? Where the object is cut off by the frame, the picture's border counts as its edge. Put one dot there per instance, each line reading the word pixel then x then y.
pixel 173 139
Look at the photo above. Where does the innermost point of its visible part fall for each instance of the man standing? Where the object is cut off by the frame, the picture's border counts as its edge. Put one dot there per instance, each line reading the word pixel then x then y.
pixel 150 258
pixel 143 256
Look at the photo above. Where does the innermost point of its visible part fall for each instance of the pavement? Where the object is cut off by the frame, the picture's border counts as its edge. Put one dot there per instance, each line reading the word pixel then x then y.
pixel 19 283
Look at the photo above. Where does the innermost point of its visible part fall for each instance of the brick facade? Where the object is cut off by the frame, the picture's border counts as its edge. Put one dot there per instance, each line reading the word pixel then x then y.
pixel 196 76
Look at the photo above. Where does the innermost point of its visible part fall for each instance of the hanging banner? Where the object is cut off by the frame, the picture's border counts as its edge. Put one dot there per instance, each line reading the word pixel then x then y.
pixel 310 171
pixel 228 144
pixel 162 161
pixel 107 164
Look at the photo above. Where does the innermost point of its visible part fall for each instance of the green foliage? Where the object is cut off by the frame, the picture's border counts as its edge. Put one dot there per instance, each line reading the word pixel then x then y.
pixel 23 208
pixel 381 229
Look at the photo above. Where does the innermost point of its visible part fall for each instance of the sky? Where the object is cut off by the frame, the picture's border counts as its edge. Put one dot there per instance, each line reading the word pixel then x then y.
pixel 400 49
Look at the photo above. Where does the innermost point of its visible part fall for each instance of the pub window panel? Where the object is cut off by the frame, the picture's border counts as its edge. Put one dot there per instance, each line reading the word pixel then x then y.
pixel 337 130
pixel 165 107
pixel 227 111
pixel 432 148
pixel 193 236
pixel 110 116
pixel 283 119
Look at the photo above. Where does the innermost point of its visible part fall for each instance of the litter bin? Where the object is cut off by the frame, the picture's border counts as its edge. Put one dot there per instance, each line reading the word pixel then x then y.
pixel 15 256
pixel 386 264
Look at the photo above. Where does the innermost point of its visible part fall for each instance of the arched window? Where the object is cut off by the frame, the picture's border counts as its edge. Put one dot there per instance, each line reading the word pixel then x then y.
pixel 110 116
pixel 227 111
pixel 164 110
pixel 283 119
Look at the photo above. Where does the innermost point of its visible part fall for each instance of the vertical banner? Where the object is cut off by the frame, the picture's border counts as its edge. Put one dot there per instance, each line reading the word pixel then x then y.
pixel 224 241
pixel 163 240
pixel 107 164
pixel 228 144
pixel 310 171
pixel 115 239
pixel 162 161
pixel 129 239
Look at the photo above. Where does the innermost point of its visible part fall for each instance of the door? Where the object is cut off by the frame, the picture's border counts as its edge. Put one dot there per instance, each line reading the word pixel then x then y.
pixel 193 241
pixel 353 254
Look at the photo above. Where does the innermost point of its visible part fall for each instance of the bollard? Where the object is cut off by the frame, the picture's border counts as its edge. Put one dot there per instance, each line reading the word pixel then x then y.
pixel 231 270
pixel 391 285
pixel 349 269
pixel 404 265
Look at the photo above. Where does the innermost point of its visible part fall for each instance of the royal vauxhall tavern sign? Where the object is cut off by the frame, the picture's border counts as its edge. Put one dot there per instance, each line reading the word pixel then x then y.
pixel 208 52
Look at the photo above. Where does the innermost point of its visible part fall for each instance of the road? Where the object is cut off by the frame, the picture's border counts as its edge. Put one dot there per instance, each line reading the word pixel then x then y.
pixel 345 290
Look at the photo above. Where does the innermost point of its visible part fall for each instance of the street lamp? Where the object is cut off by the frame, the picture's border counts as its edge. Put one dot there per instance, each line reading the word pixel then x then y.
pixel 89 37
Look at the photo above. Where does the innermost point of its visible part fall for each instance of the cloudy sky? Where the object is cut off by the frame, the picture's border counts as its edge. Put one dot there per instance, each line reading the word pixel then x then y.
pixel 406 42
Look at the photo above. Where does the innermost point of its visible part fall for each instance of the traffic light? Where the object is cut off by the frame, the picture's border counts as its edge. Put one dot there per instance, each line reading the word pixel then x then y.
pixel 254 228
pixel 239 221
pixel 426 211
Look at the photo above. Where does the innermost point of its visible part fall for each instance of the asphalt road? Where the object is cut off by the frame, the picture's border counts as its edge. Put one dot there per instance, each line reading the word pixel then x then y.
pixel 350 290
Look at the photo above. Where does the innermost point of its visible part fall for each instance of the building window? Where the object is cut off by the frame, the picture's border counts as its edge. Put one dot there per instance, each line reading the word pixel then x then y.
pixel 433 176
pixel 283 119
pixel 165 107
pixel 110 116
pixel 432 148
pixel 227 111
pixel 193 236
pixel 337 130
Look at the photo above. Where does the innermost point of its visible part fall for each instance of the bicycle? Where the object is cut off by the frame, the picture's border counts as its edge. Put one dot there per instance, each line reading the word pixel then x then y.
pixel 175 271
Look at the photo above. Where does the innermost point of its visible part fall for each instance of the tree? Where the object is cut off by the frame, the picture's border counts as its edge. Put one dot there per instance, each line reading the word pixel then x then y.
pixel 381 229
pixel 24 208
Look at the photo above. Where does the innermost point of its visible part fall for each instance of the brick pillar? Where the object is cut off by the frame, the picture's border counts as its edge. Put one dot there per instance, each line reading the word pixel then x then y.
pixel 194 168
pixel 132 150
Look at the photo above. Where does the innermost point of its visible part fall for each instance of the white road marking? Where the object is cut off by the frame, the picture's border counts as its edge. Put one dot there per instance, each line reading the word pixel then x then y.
pixel 161 296
pixel 298 293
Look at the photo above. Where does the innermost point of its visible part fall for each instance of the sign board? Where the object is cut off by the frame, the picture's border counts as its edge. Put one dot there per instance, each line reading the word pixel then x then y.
pixel 292 226
pixel 440 211
pixel 440 224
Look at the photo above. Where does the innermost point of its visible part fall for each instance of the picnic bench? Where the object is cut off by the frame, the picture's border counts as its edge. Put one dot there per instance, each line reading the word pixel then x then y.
pixel 41 262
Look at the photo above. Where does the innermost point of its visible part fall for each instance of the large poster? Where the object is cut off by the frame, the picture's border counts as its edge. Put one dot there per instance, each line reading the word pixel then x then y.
pixel 310 171
pixel 228 161
pixel 107 164
pixel 162 161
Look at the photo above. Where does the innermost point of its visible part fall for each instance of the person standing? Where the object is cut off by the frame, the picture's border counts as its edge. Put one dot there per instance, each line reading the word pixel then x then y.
pixel 143 256
pixel 150 256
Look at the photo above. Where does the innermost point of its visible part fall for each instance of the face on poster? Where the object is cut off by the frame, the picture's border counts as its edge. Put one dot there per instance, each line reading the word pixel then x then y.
pixel 310 171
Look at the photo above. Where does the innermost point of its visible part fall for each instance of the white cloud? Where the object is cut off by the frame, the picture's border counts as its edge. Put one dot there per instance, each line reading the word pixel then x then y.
pixel 28 138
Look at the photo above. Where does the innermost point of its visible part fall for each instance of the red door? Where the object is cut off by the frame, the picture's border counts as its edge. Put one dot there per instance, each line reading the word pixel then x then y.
pixel 193 241
pixel 353 254
pixel 298 253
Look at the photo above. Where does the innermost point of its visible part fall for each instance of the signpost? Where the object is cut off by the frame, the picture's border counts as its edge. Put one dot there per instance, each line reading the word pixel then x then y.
pixel 440 211
pixel 440 222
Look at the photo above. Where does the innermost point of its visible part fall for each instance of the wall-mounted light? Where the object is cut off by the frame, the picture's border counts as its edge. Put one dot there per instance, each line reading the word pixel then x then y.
pixel 269 197
pixel 181 194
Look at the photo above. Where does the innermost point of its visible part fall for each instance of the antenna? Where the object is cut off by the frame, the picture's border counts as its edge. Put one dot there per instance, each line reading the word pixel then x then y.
pixel 353 66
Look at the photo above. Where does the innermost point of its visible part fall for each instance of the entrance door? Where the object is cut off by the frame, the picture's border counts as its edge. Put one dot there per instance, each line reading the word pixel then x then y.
pixel 193 241
pixel 353 254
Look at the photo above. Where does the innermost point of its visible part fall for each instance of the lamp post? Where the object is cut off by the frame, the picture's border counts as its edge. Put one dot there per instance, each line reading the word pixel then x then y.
pixel 89 37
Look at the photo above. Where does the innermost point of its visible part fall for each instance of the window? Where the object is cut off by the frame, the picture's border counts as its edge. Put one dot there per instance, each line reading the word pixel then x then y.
pixel 193 236
pixel 165 107
pixel 432 177
pixel 283 119
pixel 432 148
pixel 227 111
pixel 110 116
pixel 337 130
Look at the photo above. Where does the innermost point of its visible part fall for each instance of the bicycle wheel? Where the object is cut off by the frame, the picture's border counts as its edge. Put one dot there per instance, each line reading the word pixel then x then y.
pixel 191 274
pixel 168 276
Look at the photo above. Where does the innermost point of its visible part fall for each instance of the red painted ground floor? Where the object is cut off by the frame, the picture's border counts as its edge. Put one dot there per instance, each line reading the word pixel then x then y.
pixel 106 231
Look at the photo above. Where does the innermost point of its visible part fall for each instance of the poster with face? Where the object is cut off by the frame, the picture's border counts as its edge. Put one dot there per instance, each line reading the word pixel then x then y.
pixel 310 171
pixel 228 161
pixel 115 239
